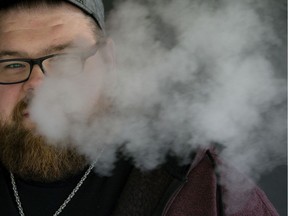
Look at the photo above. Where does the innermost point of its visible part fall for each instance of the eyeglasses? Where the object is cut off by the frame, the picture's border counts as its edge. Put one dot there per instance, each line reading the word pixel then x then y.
pixel 18 70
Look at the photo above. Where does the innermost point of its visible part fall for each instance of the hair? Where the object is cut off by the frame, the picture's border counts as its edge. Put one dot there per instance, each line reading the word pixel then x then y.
pixel 31 156
pixel 28 4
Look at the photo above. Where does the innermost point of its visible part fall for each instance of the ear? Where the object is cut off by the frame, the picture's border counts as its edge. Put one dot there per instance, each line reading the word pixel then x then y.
pixel 104 58
pixel 108 53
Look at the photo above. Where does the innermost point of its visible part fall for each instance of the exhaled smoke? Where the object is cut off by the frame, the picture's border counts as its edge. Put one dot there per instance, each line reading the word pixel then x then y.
pixel 188 74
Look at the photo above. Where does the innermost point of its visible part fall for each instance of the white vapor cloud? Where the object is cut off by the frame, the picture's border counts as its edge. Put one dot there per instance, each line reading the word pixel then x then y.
pixel 188 74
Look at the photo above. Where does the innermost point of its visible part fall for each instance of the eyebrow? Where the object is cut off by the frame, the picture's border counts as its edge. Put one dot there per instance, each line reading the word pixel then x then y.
pixel 57 48
pixel 50 50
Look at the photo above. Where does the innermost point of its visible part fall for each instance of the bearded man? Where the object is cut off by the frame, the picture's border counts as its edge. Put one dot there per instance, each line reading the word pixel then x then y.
pixel 37 178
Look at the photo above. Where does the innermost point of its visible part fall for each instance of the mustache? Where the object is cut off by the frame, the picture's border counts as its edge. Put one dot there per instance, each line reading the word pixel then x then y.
pixel 21 106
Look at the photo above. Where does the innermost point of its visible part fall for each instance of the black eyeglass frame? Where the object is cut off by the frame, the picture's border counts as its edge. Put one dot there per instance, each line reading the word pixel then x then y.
pixel 32 63
pixel 39 61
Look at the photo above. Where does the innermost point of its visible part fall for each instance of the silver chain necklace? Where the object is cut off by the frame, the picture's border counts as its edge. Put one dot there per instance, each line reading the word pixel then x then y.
pixel 68 199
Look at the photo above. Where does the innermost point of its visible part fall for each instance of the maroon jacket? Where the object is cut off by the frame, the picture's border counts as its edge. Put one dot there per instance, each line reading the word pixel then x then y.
pixel 202 195
pixel 193 190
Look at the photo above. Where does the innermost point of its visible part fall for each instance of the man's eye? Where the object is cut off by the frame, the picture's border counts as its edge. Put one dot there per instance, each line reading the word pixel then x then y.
pixel 15 66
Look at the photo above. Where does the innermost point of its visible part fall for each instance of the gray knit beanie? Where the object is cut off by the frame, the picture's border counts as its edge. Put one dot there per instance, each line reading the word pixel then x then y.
pixel 94 8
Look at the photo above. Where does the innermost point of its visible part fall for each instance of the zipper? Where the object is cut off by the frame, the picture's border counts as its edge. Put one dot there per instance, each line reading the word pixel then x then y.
pixel 197 159
pixel 172 198
pixel 182 183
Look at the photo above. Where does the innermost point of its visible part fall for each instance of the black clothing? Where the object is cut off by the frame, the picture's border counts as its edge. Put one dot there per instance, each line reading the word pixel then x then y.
pixel 171 190
pixel 97 196
pixel 126 193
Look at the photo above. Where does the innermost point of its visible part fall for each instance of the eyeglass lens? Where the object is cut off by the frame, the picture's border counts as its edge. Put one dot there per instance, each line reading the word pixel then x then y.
pixel 19 70
pixel 14 71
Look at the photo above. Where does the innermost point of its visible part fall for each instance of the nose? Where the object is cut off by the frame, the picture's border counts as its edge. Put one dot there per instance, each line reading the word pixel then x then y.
pixel 35 79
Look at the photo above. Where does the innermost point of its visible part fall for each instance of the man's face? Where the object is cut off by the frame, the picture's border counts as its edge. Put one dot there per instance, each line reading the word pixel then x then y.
pixel 33 33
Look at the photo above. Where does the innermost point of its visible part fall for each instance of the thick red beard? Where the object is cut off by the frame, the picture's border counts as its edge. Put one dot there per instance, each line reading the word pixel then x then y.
pixel 31 157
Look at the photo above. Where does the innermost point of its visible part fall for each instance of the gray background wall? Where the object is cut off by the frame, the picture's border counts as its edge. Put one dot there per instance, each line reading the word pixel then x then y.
pixel 273 183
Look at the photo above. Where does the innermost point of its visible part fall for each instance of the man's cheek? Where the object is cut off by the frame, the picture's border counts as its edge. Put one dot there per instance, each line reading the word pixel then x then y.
pixel 6 111
pixel 9 97
pixel 5 114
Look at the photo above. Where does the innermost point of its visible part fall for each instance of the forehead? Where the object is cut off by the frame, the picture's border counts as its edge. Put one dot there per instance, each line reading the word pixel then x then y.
pixel 42 26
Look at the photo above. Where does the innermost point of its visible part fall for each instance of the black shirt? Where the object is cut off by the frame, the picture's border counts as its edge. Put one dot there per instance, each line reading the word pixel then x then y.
pixel 97 196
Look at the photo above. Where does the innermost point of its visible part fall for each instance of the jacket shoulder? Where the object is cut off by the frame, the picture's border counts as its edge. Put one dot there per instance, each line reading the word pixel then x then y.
pixel 207 192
